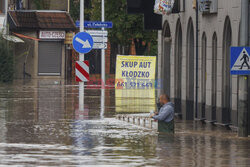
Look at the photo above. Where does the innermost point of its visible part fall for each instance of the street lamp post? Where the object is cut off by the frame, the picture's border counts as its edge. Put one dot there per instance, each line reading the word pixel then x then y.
pixel 103 51
pixel 197 59
pixel 81 58
pixel 5 31
pixel 243 80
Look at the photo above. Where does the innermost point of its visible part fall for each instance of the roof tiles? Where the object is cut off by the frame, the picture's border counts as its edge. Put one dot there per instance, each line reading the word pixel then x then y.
pixel 41 20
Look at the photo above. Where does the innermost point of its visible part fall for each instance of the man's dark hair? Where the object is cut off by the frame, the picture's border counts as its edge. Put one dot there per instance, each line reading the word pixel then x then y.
pixel 166 97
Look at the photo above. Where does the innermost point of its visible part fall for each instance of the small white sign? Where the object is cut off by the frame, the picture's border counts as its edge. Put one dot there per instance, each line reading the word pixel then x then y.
pixel 100 39
pixel 100 46
pixel 97 32
pixel 52 35
pixel 1 22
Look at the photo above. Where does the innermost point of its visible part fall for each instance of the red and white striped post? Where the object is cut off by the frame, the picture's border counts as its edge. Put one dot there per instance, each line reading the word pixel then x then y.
pixel 82 71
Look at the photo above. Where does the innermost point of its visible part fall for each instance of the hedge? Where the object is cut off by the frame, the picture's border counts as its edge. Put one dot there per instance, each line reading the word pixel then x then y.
pixel 6 62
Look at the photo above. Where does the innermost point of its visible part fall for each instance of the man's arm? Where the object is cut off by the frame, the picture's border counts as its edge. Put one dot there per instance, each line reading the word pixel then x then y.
pixel 164 113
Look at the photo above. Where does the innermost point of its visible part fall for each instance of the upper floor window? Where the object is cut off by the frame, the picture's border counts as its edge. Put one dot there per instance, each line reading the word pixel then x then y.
pixel 2 6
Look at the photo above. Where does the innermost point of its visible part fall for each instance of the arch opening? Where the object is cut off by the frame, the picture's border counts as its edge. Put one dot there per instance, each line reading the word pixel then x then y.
pixel 214 77
pixel 190 72
pixel 203 75
pixel 166 59
pixel 226 77
pixel 178 66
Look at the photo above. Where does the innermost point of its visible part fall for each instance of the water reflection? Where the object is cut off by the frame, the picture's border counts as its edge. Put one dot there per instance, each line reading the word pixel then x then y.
pixel 135 100
pixel 50 100
pixel 41 125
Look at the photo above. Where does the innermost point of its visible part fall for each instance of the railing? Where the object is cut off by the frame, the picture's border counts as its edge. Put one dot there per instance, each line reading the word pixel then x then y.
pixel 139 119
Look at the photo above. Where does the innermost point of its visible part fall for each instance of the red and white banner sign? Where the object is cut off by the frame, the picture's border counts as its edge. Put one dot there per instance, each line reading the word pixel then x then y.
pixel 82 71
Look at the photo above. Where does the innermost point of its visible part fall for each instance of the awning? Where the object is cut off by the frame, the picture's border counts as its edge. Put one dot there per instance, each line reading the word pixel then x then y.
pixel 25 36
pixel 13 38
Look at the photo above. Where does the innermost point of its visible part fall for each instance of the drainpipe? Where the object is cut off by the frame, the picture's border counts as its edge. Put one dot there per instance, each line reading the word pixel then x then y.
pixel 243 80
pixel 197 59
pixel 68 6
pixel 5 19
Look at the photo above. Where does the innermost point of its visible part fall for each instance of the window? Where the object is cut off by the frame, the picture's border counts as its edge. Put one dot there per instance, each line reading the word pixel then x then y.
pixel 214 76
pixel 2 6
pixel 203 73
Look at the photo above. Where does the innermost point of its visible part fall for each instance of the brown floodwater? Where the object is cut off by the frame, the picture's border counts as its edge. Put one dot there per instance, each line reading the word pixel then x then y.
pixel 41 125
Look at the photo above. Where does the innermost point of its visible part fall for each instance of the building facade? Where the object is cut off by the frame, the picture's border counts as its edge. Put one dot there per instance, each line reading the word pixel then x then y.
pixel 218 30
pixel 43 53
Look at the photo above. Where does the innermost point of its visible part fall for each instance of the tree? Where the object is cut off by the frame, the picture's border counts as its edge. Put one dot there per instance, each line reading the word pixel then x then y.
pixel 126 27
pixel 6 62
pixel 75 9
pixel 41 4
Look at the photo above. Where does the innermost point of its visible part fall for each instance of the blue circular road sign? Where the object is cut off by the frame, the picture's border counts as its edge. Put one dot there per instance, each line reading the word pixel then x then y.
pixel 83 42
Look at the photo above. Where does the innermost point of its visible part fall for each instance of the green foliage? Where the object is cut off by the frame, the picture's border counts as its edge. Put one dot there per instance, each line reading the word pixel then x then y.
pixel 153 49
pixel 6 62
pixel 41 4
pixel 75 9
pixel 126 27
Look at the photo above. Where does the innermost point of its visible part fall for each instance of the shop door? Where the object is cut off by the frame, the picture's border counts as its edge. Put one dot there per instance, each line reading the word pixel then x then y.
pixel 49 58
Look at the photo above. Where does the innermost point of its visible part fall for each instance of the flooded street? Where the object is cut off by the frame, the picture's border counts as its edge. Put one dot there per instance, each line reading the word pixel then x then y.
pixel 40 125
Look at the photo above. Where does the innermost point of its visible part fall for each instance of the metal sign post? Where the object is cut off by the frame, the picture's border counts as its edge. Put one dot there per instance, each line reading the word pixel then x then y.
pixel 99 37
pixel 82 43
pixel 103 51
pixel 81 58
pixel 5 27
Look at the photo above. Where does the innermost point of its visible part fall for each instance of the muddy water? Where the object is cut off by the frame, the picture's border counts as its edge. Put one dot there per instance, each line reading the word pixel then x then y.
pixel 40 125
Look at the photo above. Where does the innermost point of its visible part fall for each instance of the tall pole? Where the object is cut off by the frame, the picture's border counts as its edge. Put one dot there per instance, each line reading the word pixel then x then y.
pixel 243 80
pixel 103 50
pixel 102 103
pixel 5 19
pixel 197 59
pixel 81 58
pixel 68 6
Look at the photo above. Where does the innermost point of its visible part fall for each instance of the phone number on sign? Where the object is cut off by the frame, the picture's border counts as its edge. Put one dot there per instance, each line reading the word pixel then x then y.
pixel 133 85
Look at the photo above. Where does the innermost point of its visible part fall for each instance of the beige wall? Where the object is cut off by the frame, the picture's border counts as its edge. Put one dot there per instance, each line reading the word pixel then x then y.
pixel 31 47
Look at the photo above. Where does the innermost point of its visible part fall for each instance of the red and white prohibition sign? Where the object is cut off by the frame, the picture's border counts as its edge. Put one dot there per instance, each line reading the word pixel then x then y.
pixel 82 71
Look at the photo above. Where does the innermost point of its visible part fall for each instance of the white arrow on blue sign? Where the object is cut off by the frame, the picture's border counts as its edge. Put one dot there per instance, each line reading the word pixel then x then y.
pixel 83 42
pixel 240 60
pixel 95 24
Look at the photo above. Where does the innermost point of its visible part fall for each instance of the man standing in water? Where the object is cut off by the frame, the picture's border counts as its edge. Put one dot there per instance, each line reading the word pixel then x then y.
pixel 165 116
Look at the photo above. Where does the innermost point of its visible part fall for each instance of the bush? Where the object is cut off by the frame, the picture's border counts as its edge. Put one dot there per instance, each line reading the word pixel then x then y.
pixel 6 62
